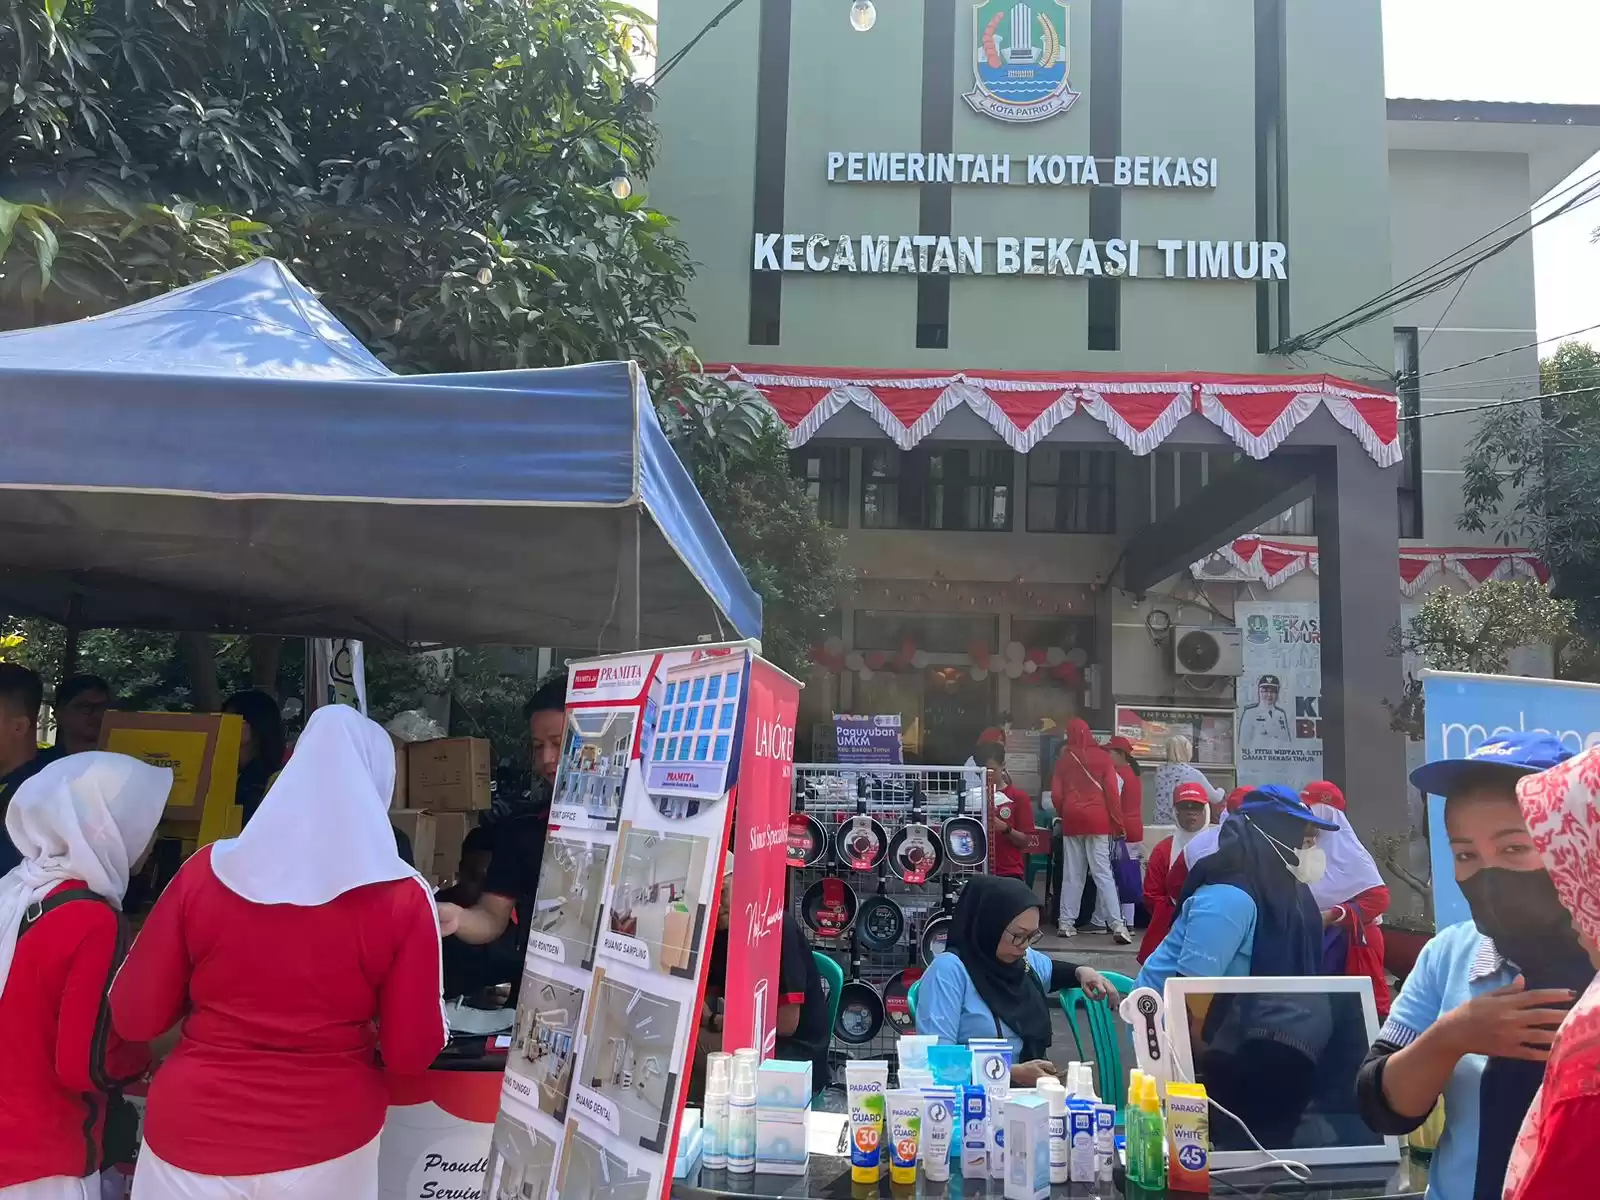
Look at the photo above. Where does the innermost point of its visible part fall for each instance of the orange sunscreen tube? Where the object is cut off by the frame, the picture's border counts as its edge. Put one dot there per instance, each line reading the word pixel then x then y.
pixel 1188 1138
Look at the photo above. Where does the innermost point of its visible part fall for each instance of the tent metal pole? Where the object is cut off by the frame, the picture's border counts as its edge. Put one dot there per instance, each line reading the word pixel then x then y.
pixel 628 570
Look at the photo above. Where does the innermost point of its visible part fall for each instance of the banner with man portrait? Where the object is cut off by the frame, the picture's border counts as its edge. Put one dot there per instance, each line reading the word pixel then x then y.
pixel 1280 693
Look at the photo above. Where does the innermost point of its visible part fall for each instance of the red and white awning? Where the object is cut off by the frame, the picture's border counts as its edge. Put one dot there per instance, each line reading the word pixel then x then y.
pixel 1270 563
pixel 1141 411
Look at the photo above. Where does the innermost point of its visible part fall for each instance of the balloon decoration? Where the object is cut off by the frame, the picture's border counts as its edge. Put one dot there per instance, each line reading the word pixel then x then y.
pixel 1026 665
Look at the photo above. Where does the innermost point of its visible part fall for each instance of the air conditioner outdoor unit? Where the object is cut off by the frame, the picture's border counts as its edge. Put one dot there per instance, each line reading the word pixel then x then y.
pixel 1207 651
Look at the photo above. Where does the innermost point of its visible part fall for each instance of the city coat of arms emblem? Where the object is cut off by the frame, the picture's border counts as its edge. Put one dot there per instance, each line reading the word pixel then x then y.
pixel 1019 59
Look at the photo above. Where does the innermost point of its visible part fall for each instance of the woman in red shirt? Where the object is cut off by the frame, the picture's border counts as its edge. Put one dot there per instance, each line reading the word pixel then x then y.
pixel 1010 815
pixel 303 959
pixel 1166 871
pixel 80 825
pixel 1351 894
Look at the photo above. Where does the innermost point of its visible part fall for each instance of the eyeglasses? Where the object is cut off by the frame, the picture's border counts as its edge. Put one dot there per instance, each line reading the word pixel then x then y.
pixel 1024 940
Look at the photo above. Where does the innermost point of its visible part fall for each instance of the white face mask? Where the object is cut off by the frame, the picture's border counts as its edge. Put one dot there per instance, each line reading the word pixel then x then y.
pixel 1308 866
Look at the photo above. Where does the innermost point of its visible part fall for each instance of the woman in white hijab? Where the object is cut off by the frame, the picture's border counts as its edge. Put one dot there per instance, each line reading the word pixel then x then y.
pixel 81 824
pixel 303 959
pixel 1351 894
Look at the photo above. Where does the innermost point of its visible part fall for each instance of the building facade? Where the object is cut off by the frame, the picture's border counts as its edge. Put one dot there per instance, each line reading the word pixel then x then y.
pixel 1031 286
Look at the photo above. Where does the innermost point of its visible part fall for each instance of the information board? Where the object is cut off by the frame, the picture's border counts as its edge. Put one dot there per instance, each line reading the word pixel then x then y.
pixel 662 749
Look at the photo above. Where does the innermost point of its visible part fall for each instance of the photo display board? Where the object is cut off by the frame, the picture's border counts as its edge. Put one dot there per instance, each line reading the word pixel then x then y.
pixel 661 750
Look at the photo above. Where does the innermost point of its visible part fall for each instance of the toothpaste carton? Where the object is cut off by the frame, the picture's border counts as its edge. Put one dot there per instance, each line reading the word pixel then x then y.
pixel 974 1133
pixel 1188 1138
pixel 1027 1141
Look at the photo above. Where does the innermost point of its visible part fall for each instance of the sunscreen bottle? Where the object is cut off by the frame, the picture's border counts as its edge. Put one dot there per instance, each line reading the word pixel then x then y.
pixel 741 1145
pixel 1134 1141
pixel 1080 1128
pixel 1188 1138
pixel 715 1116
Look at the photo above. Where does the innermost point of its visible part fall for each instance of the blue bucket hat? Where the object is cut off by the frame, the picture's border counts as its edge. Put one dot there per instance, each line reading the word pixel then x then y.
pixel 1275 798
pixel 1511 755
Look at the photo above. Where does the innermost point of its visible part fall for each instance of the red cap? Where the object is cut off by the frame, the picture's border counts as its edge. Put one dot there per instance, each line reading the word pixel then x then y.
pixel 1323 792
pixel 1121 743
pixel 1236 798
pixel 992 735
pixel 1190 793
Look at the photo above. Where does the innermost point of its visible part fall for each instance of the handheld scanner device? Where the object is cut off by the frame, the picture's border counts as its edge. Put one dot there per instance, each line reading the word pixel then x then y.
pixel 1143 1010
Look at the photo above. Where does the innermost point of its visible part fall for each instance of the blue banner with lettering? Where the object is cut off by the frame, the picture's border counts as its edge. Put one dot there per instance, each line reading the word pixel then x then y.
pixel 1463 712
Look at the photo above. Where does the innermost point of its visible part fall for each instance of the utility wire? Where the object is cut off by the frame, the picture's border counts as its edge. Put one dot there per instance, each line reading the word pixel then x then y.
pixel 661 71
pixel 1471 362
pixel 1447 270
pixel 1478 408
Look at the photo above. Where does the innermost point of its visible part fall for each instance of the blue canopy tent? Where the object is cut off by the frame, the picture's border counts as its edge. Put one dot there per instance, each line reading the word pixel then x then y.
pixel 228 458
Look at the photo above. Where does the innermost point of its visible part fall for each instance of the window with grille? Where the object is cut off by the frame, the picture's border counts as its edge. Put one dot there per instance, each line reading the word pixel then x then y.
pixel 1072 491
pixel 825 472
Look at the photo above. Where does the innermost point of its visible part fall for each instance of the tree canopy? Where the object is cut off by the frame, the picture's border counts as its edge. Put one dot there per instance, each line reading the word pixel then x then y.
pixel 1532 477
pixel 438 171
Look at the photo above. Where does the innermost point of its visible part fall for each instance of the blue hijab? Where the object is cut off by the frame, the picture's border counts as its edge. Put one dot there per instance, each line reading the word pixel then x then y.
pixel 1288 937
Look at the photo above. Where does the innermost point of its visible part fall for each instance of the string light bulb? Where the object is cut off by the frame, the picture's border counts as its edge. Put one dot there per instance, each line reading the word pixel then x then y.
pixel 863 15
pixel 621 186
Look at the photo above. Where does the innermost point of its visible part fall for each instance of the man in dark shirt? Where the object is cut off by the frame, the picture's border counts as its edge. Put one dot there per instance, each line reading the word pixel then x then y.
pixel 21 694
pixel 518 835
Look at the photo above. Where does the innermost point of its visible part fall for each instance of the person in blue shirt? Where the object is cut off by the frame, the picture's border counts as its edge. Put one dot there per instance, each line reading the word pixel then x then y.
pixel 990 982
pixel 1477 1015
pixel 1247 909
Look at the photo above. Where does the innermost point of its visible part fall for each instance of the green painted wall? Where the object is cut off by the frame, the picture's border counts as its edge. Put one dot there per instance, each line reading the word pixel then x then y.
pixel 1188 88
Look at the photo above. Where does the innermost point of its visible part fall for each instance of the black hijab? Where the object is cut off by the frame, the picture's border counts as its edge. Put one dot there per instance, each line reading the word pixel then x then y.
pixel 1011 990
pixel 1288 939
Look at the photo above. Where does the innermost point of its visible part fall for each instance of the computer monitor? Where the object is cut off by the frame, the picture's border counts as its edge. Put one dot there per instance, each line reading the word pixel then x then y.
pixel 1280 1053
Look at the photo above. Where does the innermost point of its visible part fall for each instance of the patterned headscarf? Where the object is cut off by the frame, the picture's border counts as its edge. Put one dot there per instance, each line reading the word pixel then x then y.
pixel 1562 808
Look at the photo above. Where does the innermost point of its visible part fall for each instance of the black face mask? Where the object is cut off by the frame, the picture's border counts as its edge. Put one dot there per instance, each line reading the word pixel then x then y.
pixel 1522 913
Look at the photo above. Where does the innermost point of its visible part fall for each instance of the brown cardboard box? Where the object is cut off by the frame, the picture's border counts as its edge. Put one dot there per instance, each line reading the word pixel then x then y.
pixel 422 828
pixel 401 783
pixel 450 830
pixel 448 774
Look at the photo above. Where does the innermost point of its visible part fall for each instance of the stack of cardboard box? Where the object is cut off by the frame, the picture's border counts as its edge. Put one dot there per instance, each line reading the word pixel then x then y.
pixel 440 786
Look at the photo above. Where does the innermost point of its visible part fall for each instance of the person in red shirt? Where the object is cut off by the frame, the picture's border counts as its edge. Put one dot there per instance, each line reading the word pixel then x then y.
pixel 1010 815
pixel 1166 871
pixel 1351 894
pixel 1087 797
pixel 81 825
pixel 302 958
pixel 1121 751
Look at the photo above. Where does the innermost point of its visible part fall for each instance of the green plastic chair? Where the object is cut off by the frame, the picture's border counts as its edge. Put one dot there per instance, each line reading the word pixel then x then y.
pixel 832 985
pixel 1106 1035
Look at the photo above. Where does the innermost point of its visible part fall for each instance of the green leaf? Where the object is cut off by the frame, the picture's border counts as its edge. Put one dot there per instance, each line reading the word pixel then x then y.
pixel 48 247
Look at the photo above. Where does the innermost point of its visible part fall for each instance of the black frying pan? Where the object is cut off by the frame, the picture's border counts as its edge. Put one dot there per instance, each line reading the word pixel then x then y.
pixel 860 842
pixel 916 852
pixel 966 839
pixel 937 929
pixel 860 1007
pixel 879 922
pixel 808 841
pixel 897 996
pixel 828 907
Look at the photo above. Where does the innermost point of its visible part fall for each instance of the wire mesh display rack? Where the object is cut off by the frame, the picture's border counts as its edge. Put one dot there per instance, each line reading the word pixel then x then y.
pixel 832 793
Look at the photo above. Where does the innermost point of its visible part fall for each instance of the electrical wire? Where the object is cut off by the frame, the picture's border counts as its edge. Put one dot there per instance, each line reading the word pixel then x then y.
pixel 1459 288
pixel 1477 408
pixel 1446 271
pixel 678 57
pixel 1471 362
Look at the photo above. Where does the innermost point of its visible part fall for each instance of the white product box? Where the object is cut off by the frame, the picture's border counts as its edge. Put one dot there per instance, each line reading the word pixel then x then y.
pixel 783 1085
pixel 781 1142
pixel 1027 1120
